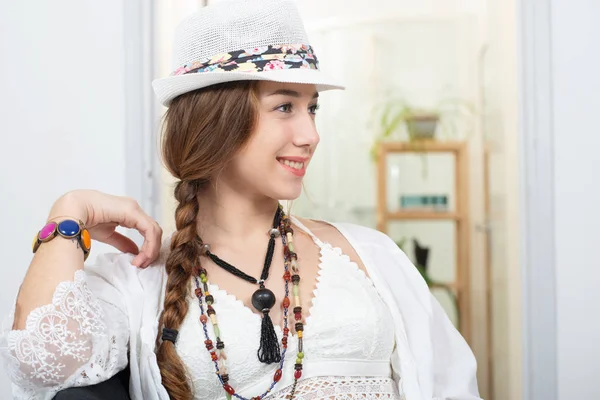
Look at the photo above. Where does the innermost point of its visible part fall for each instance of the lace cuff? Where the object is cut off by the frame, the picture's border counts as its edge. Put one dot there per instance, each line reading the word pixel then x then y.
pixel 66 343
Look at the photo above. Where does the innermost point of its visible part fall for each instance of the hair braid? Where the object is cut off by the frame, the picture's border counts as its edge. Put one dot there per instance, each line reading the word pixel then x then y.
pixel 184 256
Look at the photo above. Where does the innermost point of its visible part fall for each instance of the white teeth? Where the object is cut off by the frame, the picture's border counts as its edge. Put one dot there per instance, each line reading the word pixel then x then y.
pixel 295 165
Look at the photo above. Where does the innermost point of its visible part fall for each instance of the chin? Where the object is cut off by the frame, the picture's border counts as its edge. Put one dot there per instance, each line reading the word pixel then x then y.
pixel 291 192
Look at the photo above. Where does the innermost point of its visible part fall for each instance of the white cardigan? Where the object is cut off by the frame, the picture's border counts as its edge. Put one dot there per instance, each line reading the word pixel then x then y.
pixel 431 357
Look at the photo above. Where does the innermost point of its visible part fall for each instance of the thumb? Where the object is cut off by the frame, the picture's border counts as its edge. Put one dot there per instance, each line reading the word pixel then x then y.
pixel 122 243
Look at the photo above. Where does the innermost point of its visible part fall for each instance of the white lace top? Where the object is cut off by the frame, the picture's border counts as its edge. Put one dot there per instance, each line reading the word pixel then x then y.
pixel 355 343
pixel 107 317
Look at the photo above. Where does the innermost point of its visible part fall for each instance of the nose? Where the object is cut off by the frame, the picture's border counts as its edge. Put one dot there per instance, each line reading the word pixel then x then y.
pixel 305 133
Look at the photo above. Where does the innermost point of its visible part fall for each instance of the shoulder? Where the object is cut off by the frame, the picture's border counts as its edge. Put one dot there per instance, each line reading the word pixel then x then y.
pixel 116 269
pixel 337 233
pixel 365 246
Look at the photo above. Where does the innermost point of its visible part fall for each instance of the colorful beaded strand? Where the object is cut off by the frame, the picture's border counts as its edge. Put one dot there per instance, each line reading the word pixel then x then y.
pixel 291 258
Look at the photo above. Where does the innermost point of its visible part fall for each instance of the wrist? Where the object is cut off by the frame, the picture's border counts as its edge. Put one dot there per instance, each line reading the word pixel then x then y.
pixel 68 206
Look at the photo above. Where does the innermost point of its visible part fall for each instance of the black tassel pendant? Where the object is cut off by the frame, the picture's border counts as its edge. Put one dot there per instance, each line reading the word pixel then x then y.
pixel 268 352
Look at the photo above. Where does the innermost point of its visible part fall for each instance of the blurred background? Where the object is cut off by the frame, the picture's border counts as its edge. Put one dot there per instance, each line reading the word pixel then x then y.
pixel 466 133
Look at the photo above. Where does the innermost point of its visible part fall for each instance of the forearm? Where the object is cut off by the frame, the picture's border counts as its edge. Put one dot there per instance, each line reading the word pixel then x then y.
pixel 54 262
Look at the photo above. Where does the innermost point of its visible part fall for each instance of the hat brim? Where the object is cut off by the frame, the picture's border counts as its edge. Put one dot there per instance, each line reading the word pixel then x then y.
pixel 166 89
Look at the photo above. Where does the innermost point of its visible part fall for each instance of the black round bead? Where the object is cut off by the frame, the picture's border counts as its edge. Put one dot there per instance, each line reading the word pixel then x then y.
pixel 299 326
pixel 297 309
pixel 295 278
pixel 225 378
pixel 263 299
pixel 220 345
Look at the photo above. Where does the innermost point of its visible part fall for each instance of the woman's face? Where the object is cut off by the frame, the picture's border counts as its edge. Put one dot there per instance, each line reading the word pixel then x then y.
pixel 275 159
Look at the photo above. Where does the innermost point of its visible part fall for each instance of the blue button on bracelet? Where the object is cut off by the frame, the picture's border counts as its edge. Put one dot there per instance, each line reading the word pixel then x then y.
pixel 69 229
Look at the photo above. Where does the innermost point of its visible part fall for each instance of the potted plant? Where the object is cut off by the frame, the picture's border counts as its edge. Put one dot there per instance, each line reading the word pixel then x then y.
pixel 444 121
pixel 421 125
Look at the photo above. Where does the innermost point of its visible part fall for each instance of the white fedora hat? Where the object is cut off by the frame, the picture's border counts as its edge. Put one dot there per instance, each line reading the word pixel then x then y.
pixel 236 40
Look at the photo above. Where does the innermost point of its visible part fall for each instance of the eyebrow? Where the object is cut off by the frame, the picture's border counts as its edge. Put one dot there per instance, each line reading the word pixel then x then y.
pixel 291 93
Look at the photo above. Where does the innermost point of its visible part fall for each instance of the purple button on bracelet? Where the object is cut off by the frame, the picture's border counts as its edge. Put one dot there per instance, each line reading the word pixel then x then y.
pixel 47 231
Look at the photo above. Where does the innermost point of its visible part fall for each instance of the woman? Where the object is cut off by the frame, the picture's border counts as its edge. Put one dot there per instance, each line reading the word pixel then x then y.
pixel 242 300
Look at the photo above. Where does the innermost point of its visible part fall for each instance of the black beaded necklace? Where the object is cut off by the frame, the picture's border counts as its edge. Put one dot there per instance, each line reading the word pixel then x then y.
pixel 263 299
pixel 218 355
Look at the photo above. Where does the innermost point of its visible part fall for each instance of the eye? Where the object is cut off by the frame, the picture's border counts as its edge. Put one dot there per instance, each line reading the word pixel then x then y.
pixel 313 109
pixel 286 108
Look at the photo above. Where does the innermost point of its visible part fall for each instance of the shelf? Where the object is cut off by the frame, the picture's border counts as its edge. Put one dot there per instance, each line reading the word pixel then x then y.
pixel 429 146
pixel 459 214
pixel 425 214
pixel 453 286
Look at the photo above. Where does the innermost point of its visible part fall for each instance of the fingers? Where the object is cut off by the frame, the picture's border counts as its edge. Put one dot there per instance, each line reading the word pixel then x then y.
pixel 122 243
pixel 137 219
pixel 150 248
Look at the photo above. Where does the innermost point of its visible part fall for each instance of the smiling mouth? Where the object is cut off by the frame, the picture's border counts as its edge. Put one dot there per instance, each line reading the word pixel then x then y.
pixel 292 164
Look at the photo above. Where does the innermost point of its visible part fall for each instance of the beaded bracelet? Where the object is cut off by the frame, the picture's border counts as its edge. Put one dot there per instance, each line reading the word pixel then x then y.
pixel 69 229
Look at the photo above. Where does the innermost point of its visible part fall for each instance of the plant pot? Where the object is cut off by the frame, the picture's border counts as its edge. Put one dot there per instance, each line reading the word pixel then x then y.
pixel 422 126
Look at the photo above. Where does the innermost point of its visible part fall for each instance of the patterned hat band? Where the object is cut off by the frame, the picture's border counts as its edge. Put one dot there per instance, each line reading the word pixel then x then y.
pixel 266 58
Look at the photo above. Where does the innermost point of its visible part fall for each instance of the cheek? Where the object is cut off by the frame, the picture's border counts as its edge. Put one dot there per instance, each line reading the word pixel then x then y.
pixel 270 139
pixel 267 142
pixel 258 156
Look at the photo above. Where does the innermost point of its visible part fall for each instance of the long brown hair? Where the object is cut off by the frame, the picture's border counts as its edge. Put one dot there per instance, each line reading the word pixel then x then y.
pixel 203 130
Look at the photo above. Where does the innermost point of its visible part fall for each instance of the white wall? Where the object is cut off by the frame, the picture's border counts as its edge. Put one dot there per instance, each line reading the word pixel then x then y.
pixel 576 84
pixel 62 113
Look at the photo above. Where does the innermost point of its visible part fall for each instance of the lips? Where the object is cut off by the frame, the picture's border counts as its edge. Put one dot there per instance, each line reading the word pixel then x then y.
pixel 295 165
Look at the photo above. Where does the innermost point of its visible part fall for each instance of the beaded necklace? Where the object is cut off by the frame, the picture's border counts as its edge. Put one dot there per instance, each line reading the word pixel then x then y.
pixel 218 355
pixel 263 299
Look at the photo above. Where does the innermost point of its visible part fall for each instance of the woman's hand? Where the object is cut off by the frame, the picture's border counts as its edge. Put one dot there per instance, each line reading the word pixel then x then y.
pixel 102 213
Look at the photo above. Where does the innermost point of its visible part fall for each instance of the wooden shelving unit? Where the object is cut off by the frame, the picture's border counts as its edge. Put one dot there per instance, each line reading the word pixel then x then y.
pixel 401 215
pixel 460 214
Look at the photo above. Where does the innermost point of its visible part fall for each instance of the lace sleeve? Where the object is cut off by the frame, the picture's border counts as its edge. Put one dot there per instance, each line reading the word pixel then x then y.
pixel 78 340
